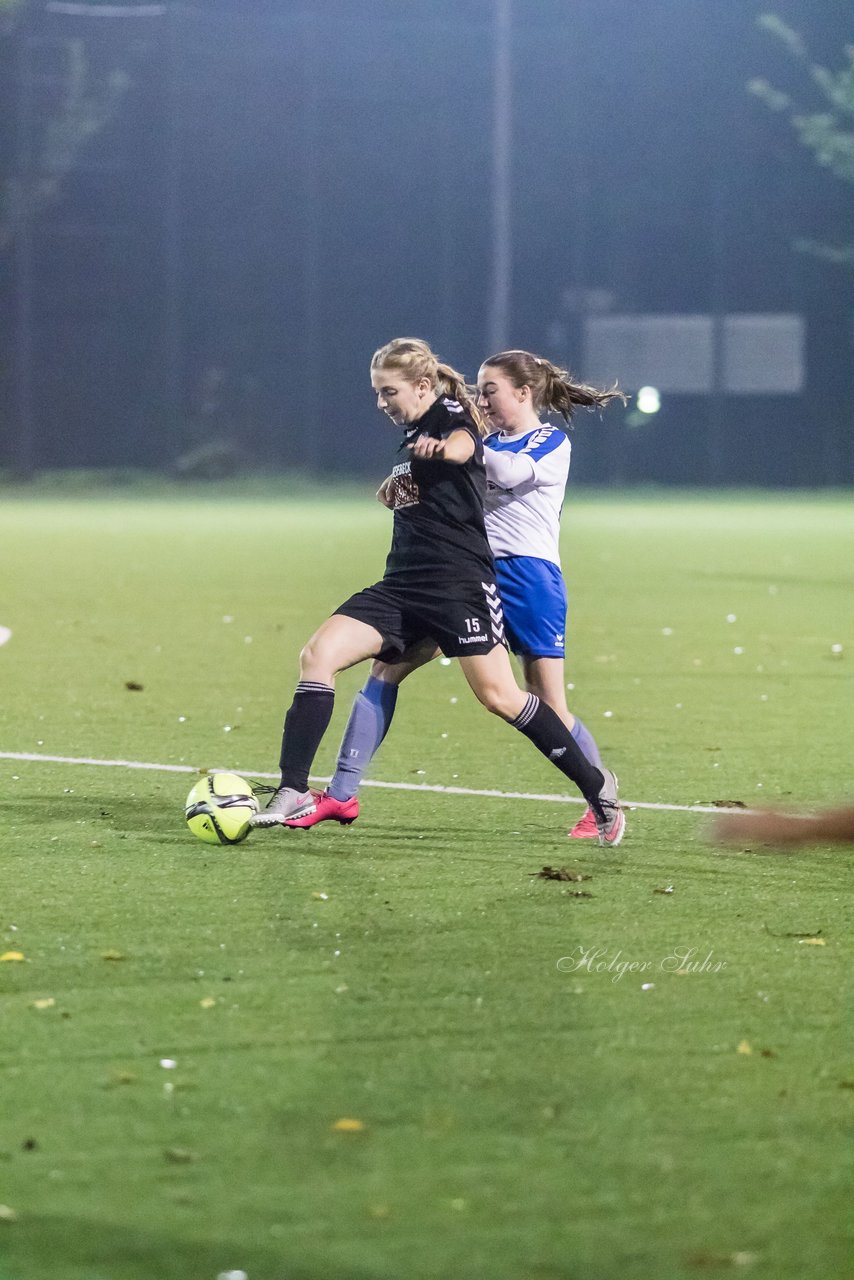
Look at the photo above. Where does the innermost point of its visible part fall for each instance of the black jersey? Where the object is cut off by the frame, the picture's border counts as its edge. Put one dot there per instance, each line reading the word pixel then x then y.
pixel 438 505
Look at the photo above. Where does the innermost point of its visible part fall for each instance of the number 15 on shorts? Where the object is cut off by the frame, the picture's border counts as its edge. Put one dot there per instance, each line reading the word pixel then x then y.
pixel 472 625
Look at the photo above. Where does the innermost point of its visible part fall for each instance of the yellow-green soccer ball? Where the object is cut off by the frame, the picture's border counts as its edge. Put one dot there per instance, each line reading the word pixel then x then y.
pixel 219 808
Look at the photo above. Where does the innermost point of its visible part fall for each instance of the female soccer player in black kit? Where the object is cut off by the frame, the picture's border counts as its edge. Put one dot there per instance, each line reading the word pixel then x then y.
pixel 438 589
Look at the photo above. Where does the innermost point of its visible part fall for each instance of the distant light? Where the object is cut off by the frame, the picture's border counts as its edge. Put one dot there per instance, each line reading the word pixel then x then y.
pixel 649 400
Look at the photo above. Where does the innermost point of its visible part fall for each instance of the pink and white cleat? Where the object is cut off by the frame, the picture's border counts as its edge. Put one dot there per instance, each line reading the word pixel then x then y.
pixel 327 808
pixel 284 803
pixel 610 820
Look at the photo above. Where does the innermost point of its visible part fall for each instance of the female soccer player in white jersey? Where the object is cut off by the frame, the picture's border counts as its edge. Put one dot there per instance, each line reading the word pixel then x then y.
pixel 527 465
pixel 438 588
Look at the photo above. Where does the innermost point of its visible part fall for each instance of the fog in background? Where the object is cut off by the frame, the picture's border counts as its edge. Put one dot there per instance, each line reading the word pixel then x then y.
pixel 228 206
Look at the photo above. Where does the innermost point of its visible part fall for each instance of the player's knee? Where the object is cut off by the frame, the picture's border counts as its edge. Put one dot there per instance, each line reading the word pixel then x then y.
pixel 314 661
pixel 496 700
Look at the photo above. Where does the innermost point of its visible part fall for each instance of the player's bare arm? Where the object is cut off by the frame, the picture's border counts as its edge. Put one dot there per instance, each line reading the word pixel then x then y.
pixel 457 447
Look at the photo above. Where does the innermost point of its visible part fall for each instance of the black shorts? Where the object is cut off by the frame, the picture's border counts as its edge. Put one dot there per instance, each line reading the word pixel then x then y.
pixel 463 618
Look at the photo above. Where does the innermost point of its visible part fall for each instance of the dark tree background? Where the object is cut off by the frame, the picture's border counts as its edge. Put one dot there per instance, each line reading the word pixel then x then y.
pixel 267 191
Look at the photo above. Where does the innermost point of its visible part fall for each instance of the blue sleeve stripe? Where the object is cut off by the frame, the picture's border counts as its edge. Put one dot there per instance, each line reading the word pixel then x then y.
pixel 536 445
pixel 544 443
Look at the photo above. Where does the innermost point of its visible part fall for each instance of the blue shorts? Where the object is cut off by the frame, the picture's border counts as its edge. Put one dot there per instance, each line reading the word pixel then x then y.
pixel 533 593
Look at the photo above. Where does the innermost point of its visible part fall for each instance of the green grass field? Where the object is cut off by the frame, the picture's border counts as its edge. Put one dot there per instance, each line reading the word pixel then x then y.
pixel 522 1119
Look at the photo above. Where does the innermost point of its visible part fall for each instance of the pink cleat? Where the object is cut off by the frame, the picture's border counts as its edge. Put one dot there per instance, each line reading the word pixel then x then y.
pixel 327 808
pixel 586 828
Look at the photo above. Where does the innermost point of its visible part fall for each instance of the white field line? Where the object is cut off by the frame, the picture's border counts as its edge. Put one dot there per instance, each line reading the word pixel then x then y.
pixel 29 756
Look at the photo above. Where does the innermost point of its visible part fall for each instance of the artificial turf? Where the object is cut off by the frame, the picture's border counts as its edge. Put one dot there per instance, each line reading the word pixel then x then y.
pixel 529 1109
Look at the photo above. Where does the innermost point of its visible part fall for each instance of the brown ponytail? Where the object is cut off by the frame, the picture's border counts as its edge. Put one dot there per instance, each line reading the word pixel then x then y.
pixel 551 386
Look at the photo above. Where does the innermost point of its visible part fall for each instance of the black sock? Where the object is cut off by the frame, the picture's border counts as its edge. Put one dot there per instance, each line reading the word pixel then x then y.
pixel 550 735
pixel 305 724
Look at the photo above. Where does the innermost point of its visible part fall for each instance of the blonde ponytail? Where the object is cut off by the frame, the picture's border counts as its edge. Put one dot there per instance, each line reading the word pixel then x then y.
pixel 455 387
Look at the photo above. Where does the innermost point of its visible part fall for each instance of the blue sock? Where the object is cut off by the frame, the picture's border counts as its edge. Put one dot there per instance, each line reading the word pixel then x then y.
pixel 587 742
pixel 373 708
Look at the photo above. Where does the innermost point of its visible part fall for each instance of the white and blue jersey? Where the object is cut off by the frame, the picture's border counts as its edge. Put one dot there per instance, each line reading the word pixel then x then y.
pixel 526 479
